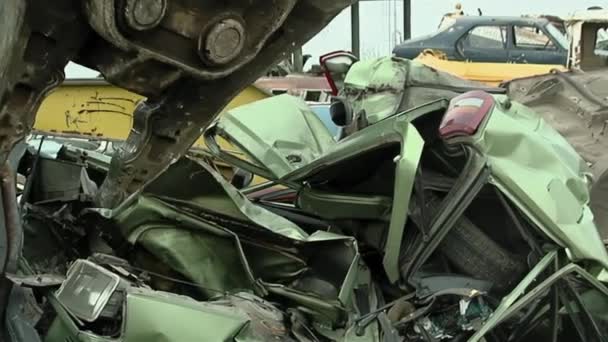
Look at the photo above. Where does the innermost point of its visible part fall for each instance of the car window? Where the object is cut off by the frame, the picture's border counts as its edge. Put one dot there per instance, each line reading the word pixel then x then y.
pixel 601 42
pixel 486 37
pixel 313 95
pixel 530 37
pixel 322 112
pixel 279 91
pixel 558 35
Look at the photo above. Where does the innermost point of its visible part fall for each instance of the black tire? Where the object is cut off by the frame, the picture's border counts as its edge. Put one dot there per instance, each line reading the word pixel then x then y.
pixel 474 253
pixel 470 251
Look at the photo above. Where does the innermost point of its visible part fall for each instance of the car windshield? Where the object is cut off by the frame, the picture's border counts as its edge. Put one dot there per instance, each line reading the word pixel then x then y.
pixel 558 35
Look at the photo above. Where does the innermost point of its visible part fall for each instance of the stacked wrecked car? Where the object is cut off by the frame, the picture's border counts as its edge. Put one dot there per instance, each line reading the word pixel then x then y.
pixel 445 211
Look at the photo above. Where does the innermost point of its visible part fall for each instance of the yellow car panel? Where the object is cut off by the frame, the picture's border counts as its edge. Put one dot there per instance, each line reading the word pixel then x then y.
pixel 98 110
pixel 489 73
pixel 94 109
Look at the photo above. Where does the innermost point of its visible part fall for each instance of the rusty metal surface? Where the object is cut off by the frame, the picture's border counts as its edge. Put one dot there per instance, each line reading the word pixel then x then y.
pixel 574 104
pixel 164 127
pixel 12 230
pixel 11 216
pixel 261 18
pixel 94 109
pixel 154 52
pixel 42 39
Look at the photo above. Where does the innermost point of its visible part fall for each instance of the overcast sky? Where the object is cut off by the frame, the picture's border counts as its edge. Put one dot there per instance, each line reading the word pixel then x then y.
pixel 382 23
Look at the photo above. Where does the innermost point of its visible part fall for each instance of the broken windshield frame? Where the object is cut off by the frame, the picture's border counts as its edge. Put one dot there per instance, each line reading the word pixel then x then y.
pixel 346 145
pixel 558 35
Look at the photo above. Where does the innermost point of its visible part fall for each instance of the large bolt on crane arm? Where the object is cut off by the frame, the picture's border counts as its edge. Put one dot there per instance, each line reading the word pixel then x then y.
pixel 189 58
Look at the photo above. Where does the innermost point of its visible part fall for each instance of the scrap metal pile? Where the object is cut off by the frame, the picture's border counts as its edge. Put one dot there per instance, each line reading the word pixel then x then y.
pixel 444 211
pixel 429 220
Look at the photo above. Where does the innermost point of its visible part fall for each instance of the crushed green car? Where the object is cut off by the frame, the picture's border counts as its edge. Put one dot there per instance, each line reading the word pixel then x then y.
pixel 445 212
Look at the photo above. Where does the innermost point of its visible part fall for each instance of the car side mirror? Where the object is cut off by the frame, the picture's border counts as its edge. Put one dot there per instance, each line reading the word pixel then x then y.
pixel 335 65
pixel 340 112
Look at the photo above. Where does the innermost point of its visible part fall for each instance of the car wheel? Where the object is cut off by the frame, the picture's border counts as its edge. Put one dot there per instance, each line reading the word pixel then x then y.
pixel 474 253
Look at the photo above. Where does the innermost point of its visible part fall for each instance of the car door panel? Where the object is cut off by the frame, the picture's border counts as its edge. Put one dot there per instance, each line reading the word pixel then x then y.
pixel 484 43
pixel 533 45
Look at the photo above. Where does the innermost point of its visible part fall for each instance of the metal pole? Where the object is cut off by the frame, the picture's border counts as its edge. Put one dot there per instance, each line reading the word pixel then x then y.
pixel 354 29
pixel 298 60
pixel 13 236
pixel 407 19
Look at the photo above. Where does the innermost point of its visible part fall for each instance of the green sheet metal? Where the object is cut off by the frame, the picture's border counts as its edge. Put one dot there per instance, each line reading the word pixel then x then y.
pixel 174 318
pixel 153 316
pixel 406 167
pixel 331 206
pixel 280 133
pixel 394 130
pixel 150 315
pixel 385 86
pixel 203 258
pixel 526 299
pixel 197 185
pixel 241 248
pixel 376 86
pixel 597 304
pixel 381 80
pixel 515 294
pixel 384 133
pixel 206 254
pixel 537 169
pixel 274 265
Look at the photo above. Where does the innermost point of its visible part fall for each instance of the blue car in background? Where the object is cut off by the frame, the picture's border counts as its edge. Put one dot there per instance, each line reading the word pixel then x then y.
pixel 493 40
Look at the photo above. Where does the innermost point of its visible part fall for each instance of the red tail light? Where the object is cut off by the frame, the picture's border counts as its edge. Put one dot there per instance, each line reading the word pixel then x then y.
pixel 465 114
pixel 274 194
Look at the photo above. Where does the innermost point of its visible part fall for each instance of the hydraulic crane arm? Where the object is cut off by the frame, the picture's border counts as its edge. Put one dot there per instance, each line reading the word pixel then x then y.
pixel 189 58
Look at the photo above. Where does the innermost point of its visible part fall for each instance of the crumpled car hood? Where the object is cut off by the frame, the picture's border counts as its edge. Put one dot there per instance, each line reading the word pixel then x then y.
pixel 265 253
pixel 295 137
pixel 384 86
